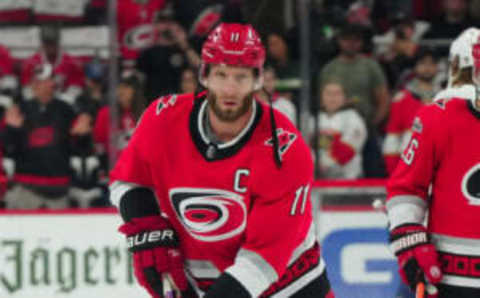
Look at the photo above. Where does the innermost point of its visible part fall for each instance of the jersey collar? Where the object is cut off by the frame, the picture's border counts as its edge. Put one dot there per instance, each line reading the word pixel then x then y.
pixel 209 149
pixel 473 109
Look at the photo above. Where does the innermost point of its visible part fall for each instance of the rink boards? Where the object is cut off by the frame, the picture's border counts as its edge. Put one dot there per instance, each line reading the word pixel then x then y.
pixel 79 253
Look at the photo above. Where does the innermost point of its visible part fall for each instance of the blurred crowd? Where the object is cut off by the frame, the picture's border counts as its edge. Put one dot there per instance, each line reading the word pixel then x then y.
pixel 373 64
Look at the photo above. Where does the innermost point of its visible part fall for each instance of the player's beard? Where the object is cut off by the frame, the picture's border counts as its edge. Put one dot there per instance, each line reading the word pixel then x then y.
pixel 229 115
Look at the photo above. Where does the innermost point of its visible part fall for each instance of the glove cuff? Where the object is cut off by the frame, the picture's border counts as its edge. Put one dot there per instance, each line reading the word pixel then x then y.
pixel 149 232
pixel 408 236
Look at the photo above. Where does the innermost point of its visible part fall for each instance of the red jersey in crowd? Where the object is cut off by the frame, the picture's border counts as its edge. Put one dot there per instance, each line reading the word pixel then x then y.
pixel 135 25
pixel 7 77
pixel 67 71
pixel 101 130
pixel 439 172
pixel 404 107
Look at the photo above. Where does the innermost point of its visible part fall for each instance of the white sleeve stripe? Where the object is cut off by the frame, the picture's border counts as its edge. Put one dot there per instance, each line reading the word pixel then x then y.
pixel 253 272
pixel 305 245
pixel 118 189
pixel 408 199
pixel 404 213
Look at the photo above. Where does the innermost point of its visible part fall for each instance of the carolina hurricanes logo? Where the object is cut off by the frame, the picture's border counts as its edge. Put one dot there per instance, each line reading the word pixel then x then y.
pixel 285 140
pixel 41 136
pixel 138 37
pixel 471 185
pixel 209 214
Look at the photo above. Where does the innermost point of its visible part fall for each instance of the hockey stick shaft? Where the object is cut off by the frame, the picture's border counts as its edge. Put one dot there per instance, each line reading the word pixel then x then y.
pixel 420 290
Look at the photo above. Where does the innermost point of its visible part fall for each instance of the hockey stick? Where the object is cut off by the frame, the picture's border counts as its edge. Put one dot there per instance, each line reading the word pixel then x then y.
pixel 169 288
pixel 420 290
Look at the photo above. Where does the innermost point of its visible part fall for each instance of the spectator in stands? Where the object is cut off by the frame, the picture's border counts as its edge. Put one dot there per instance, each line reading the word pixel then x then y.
pixel 362 78
pixel 451 23
pixel 419 91
pixel 401 54
pixel 131 104
pixel 68 75
pixel 162 63
pixel 88 187
pixel 39 136
pixel 136 31
pixel 188 81
pixel 280 101
pixel 338 133
pixel 93 96
pixel 279 57
pixel 365 86
pixel 8 80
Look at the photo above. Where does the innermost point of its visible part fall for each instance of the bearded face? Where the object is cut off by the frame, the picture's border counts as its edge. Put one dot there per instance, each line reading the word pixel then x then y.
pixel 230 91
pixel 228 113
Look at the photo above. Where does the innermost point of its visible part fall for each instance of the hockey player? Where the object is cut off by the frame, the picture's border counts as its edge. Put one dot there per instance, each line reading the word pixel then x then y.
pixel 460 68
pixel 439 173
pixel 206 186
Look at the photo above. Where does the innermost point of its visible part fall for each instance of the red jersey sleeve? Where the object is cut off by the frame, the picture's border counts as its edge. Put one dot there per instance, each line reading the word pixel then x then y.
pixel 279 220
pixel 27 70
pixel 6 62
pixel 132 165
pixel 409 184
pixel 74 72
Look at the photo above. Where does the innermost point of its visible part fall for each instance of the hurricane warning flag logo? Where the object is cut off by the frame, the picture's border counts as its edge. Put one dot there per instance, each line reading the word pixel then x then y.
pixel 285 140
pixel 209 214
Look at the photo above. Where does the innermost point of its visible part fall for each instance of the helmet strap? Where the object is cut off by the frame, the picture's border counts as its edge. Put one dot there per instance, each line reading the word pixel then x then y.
pixel 273 126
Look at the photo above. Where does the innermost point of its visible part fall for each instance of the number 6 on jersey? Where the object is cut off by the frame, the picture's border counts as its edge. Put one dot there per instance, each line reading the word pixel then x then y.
pixel 409 152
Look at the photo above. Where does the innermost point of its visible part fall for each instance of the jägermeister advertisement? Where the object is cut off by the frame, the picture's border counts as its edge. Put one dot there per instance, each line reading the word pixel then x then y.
pixel 64 255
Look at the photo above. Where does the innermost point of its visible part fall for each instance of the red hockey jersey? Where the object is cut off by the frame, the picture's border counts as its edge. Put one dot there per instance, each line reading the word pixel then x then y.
pixel 404 107
pixel 234 210
pixel 101 129
pixel 67 71
pixel 135 25
pixel 443 155
pixel 7 77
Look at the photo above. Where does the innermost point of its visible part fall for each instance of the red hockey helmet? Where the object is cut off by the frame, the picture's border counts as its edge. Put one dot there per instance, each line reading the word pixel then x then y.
pixel 234 44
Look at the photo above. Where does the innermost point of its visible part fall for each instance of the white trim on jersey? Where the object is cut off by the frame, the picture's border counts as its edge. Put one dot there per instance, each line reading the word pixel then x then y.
pixel 202 269
pixel 406 209
pixel 460 281
pixel 118 189
pixel 253 272
pixel 305 245
pixel 457 245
